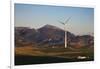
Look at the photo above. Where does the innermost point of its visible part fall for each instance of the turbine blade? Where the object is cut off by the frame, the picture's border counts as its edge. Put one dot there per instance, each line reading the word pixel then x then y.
pixel 67 20
pixel 61 22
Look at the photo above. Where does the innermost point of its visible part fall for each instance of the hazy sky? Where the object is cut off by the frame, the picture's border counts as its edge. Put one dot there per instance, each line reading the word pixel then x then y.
pixel 36 16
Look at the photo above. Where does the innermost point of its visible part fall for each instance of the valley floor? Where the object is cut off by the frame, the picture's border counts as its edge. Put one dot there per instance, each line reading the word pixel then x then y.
pixel 33 55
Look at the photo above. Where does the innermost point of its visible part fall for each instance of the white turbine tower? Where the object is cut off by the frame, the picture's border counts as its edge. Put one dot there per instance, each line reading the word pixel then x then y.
pixel 64 23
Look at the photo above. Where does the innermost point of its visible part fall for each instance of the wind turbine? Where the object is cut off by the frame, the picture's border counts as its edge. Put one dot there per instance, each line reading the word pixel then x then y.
pixel 64 23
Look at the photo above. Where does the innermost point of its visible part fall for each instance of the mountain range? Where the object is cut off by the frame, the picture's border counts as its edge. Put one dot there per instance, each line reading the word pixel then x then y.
pixel 50 35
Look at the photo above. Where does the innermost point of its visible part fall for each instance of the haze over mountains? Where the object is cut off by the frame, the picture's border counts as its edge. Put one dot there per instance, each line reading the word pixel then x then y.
pixel 49 35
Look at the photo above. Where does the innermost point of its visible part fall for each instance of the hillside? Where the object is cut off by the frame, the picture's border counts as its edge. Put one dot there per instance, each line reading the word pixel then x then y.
pixel 49 35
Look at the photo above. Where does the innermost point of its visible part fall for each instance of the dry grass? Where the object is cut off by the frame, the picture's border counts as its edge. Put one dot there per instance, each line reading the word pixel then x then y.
pixel 28 50
pixel 56 52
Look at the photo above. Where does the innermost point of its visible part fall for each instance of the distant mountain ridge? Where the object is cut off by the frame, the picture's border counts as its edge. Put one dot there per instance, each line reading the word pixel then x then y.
pixel 49 35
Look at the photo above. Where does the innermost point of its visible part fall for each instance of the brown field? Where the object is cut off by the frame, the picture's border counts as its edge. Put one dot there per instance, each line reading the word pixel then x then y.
pixel 34 51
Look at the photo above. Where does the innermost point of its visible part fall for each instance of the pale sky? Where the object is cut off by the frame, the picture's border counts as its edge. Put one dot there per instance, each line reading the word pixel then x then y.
pixel 36 16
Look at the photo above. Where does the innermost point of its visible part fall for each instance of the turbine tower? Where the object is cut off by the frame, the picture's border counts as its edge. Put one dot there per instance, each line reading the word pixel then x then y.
pixel 64 23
